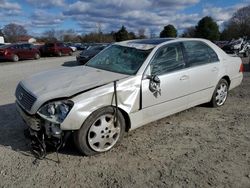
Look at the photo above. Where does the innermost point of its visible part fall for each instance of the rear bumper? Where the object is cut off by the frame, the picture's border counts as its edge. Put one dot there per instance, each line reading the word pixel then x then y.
pixel 236 81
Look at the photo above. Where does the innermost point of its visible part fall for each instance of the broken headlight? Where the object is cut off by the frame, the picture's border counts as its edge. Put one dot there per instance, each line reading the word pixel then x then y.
pixel 56 112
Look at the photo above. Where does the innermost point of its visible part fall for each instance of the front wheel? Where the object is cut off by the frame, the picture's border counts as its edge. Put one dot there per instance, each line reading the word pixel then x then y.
pixel 59 54
pixel 220 94
pixel 99 133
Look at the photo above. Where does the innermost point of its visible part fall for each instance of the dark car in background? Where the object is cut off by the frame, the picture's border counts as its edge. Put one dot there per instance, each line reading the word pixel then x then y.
pixel 90 52
pixel 81 46
pixel 56 48
pixel 15 52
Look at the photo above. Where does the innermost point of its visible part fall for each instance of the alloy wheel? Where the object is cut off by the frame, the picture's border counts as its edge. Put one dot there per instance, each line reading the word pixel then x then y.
pixel 221 94
pixel 103 133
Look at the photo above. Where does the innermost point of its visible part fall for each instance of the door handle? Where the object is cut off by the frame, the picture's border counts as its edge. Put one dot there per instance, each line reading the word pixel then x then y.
pixel 215 69
pixel 184 77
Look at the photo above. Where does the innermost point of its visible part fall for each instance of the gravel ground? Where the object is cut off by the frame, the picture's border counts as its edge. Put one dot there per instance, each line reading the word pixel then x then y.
pixel 200 147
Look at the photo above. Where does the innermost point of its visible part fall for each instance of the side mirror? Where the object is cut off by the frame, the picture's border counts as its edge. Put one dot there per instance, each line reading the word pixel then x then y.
pixel 154 85
pixel 154 78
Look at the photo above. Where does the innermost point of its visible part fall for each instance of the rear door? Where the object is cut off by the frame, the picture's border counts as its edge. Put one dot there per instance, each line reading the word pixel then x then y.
pixel 170 96
pixel 20 51
pixel 203 64
pixel 29 51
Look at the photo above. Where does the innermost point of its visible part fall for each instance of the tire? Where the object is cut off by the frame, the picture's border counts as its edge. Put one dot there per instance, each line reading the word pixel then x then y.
pixel 98 134
pixel 37 56
pixel 15 58
pixel 220 94
pixel 59 54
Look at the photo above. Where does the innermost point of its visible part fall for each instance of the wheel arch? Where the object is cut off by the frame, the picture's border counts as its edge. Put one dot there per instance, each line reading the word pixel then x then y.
pixel 227 79
pixel 126 118
pixel 123 112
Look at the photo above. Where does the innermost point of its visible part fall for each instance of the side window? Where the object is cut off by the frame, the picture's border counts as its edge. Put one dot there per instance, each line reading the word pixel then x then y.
pixel 167 59
pixel 199 53
pixel 25 46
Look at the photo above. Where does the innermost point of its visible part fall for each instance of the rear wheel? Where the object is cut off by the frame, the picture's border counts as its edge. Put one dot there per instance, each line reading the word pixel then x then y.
pixel 59 54
pixel 99 133
pixel 15 58
pixel 220 94
pixel 37 56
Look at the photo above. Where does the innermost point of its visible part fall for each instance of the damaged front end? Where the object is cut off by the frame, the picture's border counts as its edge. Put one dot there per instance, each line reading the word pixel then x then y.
pixel 44 127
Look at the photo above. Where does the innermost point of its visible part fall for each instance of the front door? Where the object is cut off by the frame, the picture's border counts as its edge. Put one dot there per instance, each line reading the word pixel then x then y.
pixel 170 95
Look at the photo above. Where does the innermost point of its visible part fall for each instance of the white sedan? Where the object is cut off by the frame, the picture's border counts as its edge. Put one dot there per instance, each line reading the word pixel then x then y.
pixel 127 85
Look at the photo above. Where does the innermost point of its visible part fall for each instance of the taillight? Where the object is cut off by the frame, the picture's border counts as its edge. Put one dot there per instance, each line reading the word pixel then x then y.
pixel 6 52
pixel 241 68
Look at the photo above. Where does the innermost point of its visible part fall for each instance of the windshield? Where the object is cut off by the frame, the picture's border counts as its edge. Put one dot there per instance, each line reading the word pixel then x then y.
pixel 120 59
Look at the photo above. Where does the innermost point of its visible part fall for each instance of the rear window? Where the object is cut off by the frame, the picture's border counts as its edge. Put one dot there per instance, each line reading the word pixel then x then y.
pixel 10 46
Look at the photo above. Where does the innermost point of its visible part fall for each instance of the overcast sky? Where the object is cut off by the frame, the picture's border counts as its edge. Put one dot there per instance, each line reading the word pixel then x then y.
pixel 84 16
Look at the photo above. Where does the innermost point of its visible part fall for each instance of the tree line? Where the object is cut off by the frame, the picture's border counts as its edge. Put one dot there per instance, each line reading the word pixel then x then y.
pixel 237 26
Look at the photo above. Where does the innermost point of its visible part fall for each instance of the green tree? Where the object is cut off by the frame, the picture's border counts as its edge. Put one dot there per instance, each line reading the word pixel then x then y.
pixel 13 31
pixel 207 28
pixel 168 31
pixel 122 34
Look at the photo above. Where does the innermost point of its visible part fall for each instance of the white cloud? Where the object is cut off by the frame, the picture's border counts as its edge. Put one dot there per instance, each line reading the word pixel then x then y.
pixel 40 19
pixel 47 3
pixel 152 15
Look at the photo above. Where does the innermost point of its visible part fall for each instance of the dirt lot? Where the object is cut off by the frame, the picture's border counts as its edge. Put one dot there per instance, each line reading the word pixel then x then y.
pixel 200 147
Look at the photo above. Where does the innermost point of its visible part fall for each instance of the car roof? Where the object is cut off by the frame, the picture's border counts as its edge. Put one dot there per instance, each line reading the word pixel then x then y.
pixel 156 41
pixel 145 44
pixel 149 44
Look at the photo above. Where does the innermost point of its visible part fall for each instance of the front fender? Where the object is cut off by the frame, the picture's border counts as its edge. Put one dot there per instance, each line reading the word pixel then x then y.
pixel 128 94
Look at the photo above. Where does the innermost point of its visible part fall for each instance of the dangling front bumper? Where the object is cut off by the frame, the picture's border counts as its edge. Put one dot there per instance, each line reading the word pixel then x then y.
pixel 43 135
pixel 32 122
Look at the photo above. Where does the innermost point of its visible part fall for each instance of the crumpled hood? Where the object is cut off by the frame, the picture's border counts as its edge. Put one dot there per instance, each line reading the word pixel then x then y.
pixel 65 82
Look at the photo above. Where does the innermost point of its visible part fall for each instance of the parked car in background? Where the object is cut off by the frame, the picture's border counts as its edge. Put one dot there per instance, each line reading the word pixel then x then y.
pixel 73 48
pixel 238 47
pixel 82 46
pixel 56 48
pixel 15 52
pixel 127 85
pixel 89 53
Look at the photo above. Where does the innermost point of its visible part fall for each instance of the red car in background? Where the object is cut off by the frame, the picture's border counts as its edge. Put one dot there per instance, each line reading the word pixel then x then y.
pixel 15 52
pixel 56 48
